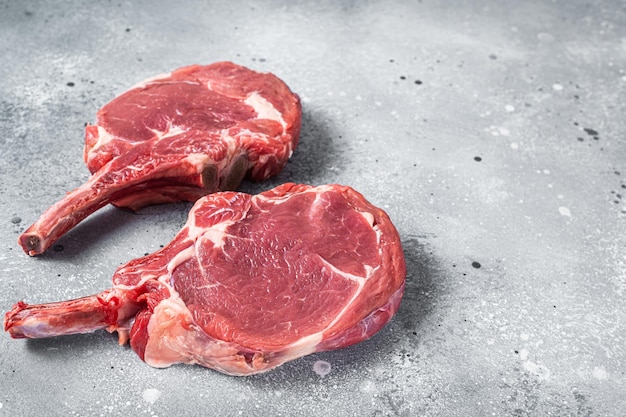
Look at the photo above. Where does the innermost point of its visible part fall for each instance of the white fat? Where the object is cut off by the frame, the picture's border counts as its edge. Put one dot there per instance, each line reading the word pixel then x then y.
pixel 369 271
pixel 198 160
pixel 263 159
pixel 303 346
pixel 359 280
pixel 356 278
pixel 180 258
pixel 195 232
pixel 216 234
pixel 369 217
pixel 147 81
pixel 166 334
pixel 258 137
pixel 348 305
pixel 229 140
pixel 171 130
pixel 264 109
pixel 104 137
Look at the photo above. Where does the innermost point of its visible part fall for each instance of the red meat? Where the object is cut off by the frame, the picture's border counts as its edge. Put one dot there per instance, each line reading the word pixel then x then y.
pixel 249 283
pixel 178 137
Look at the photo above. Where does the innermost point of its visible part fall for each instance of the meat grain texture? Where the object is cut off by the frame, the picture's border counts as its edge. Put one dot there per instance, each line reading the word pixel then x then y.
pixel 249 283
pixel 178 137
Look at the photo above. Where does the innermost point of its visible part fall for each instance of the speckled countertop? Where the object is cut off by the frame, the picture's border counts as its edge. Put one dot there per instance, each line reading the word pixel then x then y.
pixel 492 132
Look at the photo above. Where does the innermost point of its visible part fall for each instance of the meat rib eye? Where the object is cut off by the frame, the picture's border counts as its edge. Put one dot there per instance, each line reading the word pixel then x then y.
pixel 178 137
pixel 249 283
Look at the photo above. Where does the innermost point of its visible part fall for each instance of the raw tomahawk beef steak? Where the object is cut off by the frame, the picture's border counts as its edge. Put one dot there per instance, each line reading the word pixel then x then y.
pixel 178 137
pixel 249 283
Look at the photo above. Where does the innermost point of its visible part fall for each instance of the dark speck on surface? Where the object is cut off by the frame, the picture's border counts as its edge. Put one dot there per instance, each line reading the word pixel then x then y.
pixel 16 220
pixel 478 158
pixel 418 82
pixel 591 132
pixel 70 84
pixel 476 264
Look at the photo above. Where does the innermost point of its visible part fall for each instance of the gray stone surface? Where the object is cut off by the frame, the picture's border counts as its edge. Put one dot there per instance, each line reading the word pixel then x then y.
pixel 492 132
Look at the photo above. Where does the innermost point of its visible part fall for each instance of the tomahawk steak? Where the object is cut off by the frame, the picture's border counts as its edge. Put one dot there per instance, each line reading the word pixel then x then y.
pixel 249 283
pixel 177 137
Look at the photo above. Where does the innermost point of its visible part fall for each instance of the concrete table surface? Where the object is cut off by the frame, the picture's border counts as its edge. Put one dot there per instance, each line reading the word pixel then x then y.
pixel 492 132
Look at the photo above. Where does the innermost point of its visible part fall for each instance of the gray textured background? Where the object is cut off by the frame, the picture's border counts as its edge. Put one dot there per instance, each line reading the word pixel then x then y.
pixel 490 131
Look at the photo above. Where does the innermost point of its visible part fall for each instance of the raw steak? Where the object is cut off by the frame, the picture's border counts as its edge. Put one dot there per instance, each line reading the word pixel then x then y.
pixel 178 137
pixel 249 283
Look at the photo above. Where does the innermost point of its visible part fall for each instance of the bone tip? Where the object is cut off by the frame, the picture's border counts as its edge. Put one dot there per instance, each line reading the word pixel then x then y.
pixel 31 243
pixel 11 321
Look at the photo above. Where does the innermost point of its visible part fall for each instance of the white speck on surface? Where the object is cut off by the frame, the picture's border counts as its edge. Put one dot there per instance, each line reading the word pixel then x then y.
pixel 557 87
pixel 564 211
pixel 322 368
pixel 545 37
pixel 523 354
pixel 367 386
pixel 600 373
pixel 540 371
pixel 509 108
pixel 151 395
pixel 498 131
pixel 514 145
pixel 624 78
